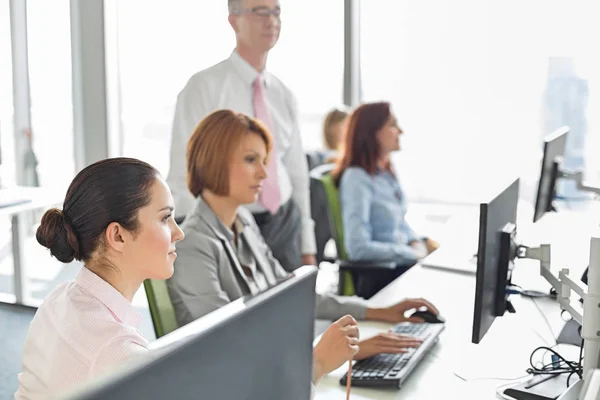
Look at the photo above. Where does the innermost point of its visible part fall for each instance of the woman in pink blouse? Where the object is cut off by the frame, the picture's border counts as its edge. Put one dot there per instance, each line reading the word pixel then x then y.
pixel 116 219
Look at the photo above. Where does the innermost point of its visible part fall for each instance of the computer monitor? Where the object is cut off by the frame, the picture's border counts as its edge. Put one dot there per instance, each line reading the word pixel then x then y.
pixel 496 251
pixel 253 348
pixel 554 150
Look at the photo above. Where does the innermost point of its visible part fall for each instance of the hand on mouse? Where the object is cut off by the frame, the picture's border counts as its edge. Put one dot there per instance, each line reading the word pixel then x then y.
pixel 338 344
pixel 419 249
pixel 387 342
pixel 431 245
pixel 396 313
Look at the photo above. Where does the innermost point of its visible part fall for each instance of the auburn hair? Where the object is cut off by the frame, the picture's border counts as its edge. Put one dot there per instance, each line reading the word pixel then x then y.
pixel 360 147
pixel 210 147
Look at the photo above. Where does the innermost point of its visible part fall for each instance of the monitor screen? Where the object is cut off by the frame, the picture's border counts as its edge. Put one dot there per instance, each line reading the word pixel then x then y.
pixel 494 216
pixel 253 348
pixel 554 150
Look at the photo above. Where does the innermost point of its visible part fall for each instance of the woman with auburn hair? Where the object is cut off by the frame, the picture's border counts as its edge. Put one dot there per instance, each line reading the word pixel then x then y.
pixel 224 256
pixel 372 200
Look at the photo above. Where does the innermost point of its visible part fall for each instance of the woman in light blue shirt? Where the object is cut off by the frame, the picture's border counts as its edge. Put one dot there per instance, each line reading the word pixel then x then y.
pixel 372 201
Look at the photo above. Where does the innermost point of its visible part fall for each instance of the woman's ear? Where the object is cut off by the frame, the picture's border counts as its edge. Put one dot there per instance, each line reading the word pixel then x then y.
pixel 116 237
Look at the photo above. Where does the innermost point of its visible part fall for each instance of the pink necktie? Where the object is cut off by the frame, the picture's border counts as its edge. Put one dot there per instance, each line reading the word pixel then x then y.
pixel 270 196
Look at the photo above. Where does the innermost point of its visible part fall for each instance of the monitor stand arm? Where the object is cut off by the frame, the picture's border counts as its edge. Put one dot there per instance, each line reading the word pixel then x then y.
pixel 562 283
pixel 577 176
pixel 590 293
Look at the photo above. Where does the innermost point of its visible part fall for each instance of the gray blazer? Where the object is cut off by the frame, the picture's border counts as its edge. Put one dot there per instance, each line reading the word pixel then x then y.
pixel 208 275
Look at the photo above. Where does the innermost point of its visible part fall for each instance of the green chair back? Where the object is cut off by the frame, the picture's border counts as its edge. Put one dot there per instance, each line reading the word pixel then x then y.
pixel 161 308
pixel 337 229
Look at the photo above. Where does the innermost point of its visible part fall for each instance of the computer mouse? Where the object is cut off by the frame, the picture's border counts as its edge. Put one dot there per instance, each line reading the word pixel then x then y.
pixel 429 317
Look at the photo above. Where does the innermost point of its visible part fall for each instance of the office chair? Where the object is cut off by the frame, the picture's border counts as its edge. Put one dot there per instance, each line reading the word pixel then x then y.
pixel 364 278
pixel 161 308
pixel 319 210
pixel 318 204
pixel 315 158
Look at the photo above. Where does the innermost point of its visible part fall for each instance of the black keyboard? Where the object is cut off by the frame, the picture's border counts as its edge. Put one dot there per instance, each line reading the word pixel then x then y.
pixel 390 370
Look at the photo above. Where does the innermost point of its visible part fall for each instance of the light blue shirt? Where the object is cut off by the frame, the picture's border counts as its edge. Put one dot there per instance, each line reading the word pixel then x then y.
pixel 373 214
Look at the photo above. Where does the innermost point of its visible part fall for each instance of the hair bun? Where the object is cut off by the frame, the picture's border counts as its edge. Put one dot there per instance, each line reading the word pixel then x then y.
pixel 56 234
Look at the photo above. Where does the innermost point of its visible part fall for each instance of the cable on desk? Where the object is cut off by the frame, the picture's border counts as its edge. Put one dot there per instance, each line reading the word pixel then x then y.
pixel 563 366
pixel 486 378
pixel 349 380
pixel 490 378
pixel 545 320
pixel 580 359
pixel 516 289
pixel 546 352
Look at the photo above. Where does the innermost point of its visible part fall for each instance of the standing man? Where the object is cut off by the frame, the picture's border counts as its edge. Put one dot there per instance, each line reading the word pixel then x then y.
pixel 242 84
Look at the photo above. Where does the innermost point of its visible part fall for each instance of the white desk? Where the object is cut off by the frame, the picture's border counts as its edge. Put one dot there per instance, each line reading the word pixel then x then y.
pixel 39 198
pixel 503 353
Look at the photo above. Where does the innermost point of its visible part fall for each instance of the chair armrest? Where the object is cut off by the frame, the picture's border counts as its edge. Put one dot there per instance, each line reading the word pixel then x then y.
pixel 365 266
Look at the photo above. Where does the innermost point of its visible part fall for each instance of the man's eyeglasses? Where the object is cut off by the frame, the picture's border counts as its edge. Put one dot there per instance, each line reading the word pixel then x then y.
pixel 260 12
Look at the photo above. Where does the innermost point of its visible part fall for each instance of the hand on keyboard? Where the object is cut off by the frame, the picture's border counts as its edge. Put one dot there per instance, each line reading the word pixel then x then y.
pixel 389 342
pixel 396 313
pixel 391 370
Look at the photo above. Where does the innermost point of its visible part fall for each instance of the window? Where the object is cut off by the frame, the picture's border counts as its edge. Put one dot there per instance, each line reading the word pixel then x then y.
pixel 49 46
pixel 309 58
pixel 7 151
pixel 466 80
pixel 168 45
pixel 49 61
pixel 154 64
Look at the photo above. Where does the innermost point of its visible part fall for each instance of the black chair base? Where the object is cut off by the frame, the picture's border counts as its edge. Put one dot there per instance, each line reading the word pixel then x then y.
pixel 369 277
pixel 368 284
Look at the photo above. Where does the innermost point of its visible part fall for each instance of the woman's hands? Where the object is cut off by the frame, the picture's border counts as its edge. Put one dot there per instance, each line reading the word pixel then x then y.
pixel 338 344
pixel 387 342
pixel 396 313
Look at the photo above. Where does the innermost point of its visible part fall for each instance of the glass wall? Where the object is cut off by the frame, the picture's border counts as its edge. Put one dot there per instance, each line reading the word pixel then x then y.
pixel 154 64
pixel 476 85
pixel 7 150
pixel 309 58
pixel 49 46
pixel 49 159
pixel 155 60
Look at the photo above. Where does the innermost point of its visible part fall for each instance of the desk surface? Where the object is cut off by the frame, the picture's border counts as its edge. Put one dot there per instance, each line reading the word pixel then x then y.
pixel 455 366
pixel 38 198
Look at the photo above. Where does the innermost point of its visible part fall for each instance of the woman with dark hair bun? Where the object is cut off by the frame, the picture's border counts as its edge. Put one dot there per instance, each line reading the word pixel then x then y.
pixel 117 218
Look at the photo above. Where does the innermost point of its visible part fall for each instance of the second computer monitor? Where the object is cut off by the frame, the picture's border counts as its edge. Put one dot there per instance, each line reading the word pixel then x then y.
pixel 554 151
pixel 496 216
pixel 253 348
